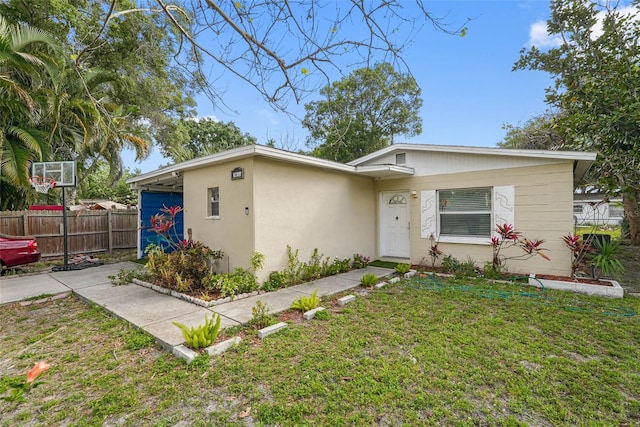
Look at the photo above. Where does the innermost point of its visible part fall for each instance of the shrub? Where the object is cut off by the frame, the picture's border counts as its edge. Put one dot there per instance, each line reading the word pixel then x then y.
pixel 360 261
pixel 239 282
pixel 306 303
pixel 261 318
pixel 203 335
pixel 466 268
pixel 275 281
pixel 369 280
pixel 606 260
pixel 490 272
pixel 181 270
pixel 449 264
pixel 403 268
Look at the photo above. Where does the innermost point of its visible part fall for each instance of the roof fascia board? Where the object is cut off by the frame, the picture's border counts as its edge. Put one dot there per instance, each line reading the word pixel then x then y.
pixel 239 153
pixel 550 154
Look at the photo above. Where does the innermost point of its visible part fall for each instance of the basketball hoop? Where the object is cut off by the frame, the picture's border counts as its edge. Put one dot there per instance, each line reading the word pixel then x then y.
pixel 42 184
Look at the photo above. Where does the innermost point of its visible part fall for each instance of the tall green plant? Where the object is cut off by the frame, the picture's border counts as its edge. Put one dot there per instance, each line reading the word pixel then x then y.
pixel 606 260
pixel 203 335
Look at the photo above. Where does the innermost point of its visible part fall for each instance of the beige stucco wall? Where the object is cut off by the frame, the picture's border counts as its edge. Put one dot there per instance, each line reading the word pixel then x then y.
pixel 308 207
pixel 233 231
pixel 543 200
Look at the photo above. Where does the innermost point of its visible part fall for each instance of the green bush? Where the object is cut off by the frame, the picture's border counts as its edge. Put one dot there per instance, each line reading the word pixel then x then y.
pixel 368 280
pixel 606 260
pixel 449 264
pixel 261 318
pixel 360 261
pixel 182 270
pixel 227 285
pixel 203 335
pixel 306 303
pixel 491 272
pixel 403 268
pixel 467 268
pixel 275 281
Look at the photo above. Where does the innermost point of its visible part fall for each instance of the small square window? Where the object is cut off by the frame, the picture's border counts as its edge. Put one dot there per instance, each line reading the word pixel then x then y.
pixel 214 201
pixel 401 158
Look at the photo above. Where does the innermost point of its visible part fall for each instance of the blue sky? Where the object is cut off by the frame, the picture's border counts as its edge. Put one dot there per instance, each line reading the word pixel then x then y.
pixel 468 88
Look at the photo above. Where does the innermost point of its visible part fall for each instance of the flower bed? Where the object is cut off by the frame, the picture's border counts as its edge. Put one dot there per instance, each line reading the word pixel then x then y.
pixel 602 287
pixel 194 300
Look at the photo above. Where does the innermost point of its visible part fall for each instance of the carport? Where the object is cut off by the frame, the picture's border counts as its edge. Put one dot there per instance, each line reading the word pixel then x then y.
pixel 156 190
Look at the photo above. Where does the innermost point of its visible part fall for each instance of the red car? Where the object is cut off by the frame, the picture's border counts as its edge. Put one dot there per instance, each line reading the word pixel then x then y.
pixel 17 251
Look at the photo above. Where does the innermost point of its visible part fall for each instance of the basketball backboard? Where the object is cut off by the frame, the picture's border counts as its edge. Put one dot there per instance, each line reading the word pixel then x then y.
pixel 64 173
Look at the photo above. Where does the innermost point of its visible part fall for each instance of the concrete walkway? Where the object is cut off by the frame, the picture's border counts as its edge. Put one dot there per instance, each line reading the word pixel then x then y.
pixel 155 312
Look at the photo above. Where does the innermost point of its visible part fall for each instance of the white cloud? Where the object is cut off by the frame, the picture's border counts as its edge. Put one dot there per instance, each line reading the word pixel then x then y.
pixel 540 38
pixel 596 30
pixel 197 119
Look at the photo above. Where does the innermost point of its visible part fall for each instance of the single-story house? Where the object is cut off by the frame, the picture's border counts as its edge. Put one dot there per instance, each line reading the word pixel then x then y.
pixel 597 209
pixel 384 205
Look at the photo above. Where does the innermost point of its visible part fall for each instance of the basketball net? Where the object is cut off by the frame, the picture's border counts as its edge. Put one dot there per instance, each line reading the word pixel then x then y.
pixel 42 184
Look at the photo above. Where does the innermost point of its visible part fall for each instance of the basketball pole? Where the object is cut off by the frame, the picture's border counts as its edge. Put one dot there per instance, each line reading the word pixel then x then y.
pixel 65 242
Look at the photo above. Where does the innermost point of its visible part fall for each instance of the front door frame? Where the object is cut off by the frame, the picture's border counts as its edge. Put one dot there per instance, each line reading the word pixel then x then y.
pixel 383 198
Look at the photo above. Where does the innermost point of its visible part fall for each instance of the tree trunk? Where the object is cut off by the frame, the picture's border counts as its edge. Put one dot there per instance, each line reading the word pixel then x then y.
pixel 631 203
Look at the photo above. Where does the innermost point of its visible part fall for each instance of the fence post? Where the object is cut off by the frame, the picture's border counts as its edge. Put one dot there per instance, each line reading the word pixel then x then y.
pixel 25 223
pixel 110 234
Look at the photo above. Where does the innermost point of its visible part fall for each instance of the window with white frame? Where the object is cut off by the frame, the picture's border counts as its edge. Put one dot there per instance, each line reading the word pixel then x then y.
pixel 466 215
pixel 465 212
pixel 214 202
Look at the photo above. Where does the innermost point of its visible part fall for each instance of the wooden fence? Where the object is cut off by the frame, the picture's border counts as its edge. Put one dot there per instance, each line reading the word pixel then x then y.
pixel 87 231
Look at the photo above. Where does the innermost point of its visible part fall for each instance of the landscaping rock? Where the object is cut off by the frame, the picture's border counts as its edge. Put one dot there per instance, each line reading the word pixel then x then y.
pixel 380 285
pixel 410 274
pixel 223 346
pixel 184 352
pixel 346 300
pixel 265 332
pixel 394 280
pixel 308 315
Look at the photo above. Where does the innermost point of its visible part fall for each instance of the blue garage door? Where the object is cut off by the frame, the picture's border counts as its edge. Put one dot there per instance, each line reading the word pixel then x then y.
pixel 150 204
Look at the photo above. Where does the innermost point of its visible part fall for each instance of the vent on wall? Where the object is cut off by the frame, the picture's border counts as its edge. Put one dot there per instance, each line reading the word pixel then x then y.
pixel 401 158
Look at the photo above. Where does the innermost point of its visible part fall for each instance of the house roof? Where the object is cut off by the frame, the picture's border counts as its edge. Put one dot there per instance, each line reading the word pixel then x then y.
pixel 582 160
pixel 170 178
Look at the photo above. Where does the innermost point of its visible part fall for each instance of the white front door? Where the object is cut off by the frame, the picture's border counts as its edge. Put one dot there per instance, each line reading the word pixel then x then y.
pixel 394 222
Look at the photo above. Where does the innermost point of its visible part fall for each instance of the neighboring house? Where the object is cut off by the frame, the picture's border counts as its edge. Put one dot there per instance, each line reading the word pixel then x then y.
pixel 597 209
pixel 384 205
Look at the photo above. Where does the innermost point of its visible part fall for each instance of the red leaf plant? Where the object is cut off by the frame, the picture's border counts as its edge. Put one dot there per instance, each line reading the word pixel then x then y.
pixel 509 237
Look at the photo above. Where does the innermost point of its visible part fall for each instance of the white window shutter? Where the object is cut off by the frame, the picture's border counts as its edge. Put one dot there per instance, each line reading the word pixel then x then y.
pixel 428 213
pixel 504 205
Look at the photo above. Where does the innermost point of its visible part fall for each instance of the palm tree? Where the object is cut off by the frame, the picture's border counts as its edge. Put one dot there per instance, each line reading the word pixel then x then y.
pixel 21 79
pixel 22 75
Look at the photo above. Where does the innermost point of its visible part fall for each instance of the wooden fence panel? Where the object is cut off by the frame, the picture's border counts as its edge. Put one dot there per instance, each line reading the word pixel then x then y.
pixel 87 231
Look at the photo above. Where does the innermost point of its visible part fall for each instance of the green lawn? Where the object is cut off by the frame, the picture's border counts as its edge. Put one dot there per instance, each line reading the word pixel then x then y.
pixel 405 355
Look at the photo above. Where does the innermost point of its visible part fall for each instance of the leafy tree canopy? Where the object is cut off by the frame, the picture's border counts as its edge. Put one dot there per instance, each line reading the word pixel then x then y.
pixel 363 112
pixel 537 133
pixel 597 76
pixel 101 185
pixel 206 136
pixel 129 39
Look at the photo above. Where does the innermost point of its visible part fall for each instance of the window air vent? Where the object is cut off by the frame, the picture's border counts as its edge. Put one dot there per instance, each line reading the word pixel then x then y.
pixel 401 158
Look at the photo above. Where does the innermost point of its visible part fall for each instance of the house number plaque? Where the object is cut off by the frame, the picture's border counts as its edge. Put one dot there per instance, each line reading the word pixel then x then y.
pixel 237 173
